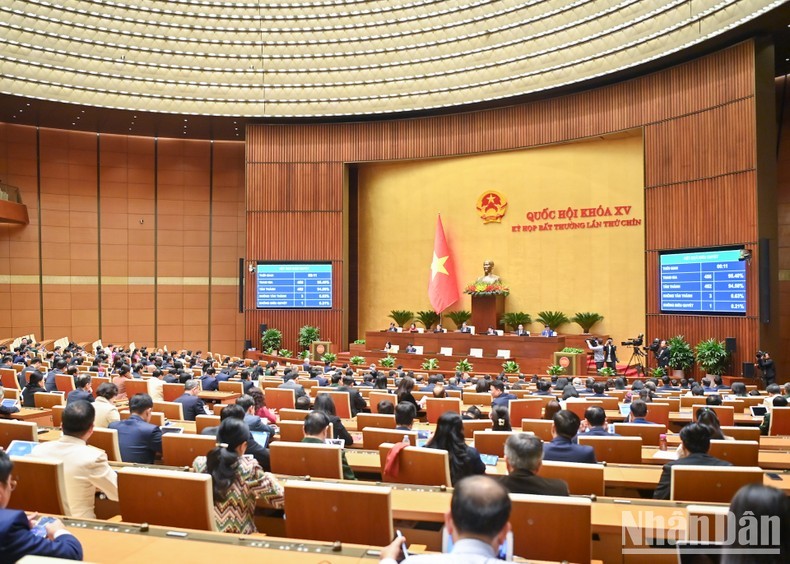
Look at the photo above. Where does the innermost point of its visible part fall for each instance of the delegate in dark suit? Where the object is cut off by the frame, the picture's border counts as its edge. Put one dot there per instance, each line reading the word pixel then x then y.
pixel 209 383
pixel 699 459
pixel 192 406
pixel 76 395
pixel 525 482
pixel 17 540
pixel 138 441
pixel 561 449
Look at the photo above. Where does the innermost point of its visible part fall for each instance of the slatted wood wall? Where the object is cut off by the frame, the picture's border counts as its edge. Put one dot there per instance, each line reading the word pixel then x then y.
pixel 698 123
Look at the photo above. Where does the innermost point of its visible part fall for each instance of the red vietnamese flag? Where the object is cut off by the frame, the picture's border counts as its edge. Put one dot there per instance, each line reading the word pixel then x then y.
pixel 443 287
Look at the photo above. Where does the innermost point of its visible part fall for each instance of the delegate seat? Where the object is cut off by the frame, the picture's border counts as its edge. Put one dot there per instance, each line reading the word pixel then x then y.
pixel 306 459
pixel 13 430
pixel 436 407
pixel 236 387
pixel 421 466
pixel 40 485
pixel 725 414
pixel 582 479
pixel 528 408
pixel 97 381
pixel 342 401
pixel 541 428
pixel 491 442
pixel 711 483
pixel 166 497
pixel 372 437
pixel 46 400
pixel 549 518
pixel 8 379
pixel 374 398
pixel 658 413
pixel 135 386
pixel 286 414
pixel 380 420
pixel 580 406
pixel 279 398
pixel 57 415
pixel 106 440
pixel 615 450
pixel 780 421
pixel 371 526
pixel 170 392
pixel 738 453
pixel 651 434
pixel 740 433
pixel 203 421
pixel 172 410
pixel 64 383
pixel 475 398
pixel 182 449
pixel 473 425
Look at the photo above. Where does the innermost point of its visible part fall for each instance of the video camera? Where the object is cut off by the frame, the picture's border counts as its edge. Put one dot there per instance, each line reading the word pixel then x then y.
pixel 654 346
pixel 760 354
pixel 593 342
pixel 637 342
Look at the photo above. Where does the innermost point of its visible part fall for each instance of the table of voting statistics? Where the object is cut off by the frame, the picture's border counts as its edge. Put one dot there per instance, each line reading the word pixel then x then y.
pixel 293 286
pixel 703 282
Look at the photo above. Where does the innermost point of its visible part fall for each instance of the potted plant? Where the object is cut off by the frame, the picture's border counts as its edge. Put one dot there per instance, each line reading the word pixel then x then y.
pixel 573 350
pixel 387 361
pixel 307 335
pixel 458 317
pixel 304 355
pixel 554 319
pixel 329 357
pixel 428 318
pixel 607 372
pixel 586 320
pixel 430 364
pixel 681 357
pixel 555 370
pixel 511 367
pixel 401 316
pixel 286 353
pixel 271 339
pixel 359 342
pixel 464 366
pixel 712 356
pixel 354 360
pixel 658 373
pixel 515 318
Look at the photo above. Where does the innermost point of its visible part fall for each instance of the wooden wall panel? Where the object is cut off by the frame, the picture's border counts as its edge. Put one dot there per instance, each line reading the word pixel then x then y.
pixel 698 122
pixel 677 219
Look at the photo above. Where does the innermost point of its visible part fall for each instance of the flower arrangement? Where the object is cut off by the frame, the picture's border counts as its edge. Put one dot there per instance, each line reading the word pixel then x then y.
pixel 387 361
pixel 430 364
pixel 483 289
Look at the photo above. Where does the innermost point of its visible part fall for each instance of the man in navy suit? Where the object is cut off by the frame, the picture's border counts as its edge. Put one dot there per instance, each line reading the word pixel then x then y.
pixel 695 444
pixel 208 381
pixel 50 381
pixel 499 395
pixel 16 538
pixel 254 422
pixel 139 440
pixel 192 404
pixel 83 390
pixel 561 448
pixel 594 424
pixel 638 412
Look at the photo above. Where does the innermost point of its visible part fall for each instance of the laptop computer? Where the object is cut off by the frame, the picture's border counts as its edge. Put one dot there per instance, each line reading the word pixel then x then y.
pixel 758 410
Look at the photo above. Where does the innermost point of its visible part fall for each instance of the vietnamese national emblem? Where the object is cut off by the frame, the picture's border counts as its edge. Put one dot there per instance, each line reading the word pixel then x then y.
pixel 492 206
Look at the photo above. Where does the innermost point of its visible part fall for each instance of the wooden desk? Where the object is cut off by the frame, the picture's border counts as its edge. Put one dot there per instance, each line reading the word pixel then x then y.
pixel 38 415
pixel 125 544
pixel 683 417
pixel 532 353
pixel 219 397
pixel 766 459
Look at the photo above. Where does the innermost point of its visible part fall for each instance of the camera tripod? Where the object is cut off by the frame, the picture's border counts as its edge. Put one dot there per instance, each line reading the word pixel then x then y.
pixel 636 361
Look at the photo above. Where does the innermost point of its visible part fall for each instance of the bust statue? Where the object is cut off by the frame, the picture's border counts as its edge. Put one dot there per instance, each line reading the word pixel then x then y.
pixel 488 276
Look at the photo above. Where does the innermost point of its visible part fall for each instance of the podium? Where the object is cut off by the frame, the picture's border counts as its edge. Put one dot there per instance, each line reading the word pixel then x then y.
pixel 487 311
pixel 319 349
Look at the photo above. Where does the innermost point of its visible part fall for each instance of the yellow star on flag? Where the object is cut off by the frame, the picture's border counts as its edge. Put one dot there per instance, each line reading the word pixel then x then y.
pixel 437 265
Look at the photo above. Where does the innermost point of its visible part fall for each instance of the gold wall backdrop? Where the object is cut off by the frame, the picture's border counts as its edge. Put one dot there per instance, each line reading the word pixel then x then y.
pixel 583 269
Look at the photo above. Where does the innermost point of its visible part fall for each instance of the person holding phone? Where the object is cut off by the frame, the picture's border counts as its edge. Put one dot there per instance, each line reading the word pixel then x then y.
pixel 478 522
pixel 17 539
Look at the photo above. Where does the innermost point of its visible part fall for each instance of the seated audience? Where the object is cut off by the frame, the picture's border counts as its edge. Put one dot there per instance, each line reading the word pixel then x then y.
pixel 756 503
pixel 139 440
pixel 499 395
pixel 156 385
pixel 254 422
pixel 501 418
pixel 33 387
pixel 355 398
pixel 708 417
pixel 472 412
pixel 544 388
pixel 315 430
pixel 17 540
pixel 478 521
pixel 551 409
pixel 258 451
pixel 85 468
pixel 449 436
pixel 765 426
pixel 695 443
pixel 82 391
pixel 386 407
pixel 124 374
pixel 523 457
pixel 325 405
pixel 561 448
pixel 302 403
pixel 290 383
pixel 191 404
pixel 237 481
pixel 404 416
pixel 106 412
pixel 638 413
pixel 594 424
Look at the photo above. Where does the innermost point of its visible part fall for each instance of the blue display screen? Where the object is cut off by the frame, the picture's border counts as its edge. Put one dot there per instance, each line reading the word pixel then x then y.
pixel 293 286
pixel 705 282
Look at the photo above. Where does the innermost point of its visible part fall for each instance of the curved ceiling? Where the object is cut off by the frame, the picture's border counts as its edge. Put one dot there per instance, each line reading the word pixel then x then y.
pixel 270 59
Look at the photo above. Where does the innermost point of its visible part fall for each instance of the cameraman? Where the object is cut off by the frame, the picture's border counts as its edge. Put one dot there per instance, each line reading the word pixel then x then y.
pixel 597 349
pixel 610 354
pixel 766 365
pixel 662 355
